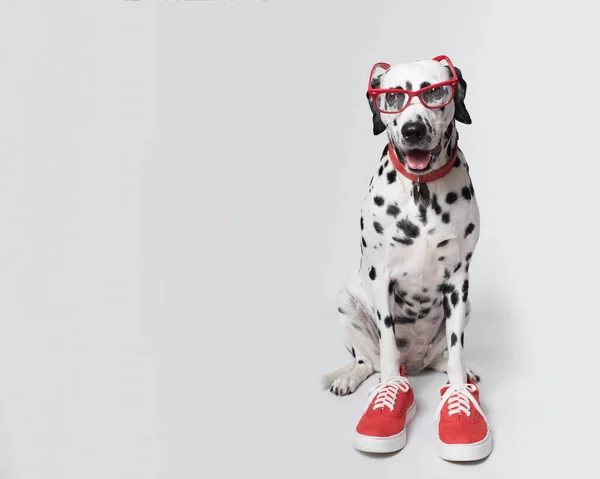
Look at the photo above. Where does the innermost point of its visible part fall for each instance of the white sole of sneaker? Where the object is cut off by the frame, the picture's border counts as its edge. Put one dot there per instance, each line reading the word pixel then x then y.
pixel 382 445
pixel 466 452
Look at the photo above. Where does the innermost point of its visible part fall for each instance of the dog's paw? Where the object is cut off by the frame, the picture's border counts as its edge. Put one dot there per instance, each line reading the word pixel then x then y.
pixel 345 384
pixel 473 375
pixel 441 366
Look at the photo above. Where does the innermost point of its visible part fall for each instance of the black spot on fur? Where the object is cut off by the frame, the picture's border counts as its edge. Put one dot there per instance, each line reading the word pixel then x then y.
pixel 468 257
pixel 448 132
pixel 408 85
pixel 453 340
pixel 446 274
pixel 380 172
pixel 441 258
pixel 457 267
pixel 401 343
pixel 465 290
pixel 428 123
pixel 405 241
pixel 379 333
pixel 446 288
pixel 410 229
pixel 446 217
pixel 389 323
pixel 391 176
pixel 364 243
pixel 392 286
pixel 424 84
pixel 372 273
pixel 378 315
pixel 447 309
pixel 353 353
pixel 441 244
pixel 457 163
pixel 451 197
pixel 462 339
pixel 423 214
pixel 435 205
pixel 378 200
pixel 360 361
pixel 425 311
pixel 421 299
pixel 362 223
pixel 393 210
pixel 449 150
pixel 378 227
pixel 410 312
pixel 469 229
pixel 395 122
pixel 466 193
pixel 471 189
pixel 385 150
pixel 454 298
pixel 341 310
pixel 421 194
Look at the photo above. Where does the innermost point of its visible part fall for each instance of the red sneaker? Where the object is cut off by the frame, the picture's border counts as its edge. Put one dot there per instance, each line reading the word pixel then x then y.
pixel 464 434
pixel 382 428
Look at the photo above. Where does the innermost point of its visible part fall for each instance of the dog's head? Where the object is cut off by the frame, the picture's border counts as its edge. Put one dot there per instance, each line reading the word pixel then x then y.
pixel 416 103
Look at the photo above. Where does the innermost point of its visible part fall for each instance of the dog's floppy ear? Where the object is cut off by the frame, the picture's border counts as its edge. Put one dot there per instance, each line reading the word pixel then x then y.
pixel 460 111
pixel 378 126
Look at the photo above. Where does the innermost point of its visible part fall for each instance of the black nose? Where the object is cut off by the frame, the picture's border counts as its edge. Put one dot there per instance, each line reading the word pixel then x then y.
pixel 414 131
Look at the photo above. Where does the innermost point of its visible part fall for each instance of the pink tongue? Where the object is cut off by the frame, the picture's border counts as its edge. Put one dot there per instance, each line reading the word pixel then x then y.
pixel 418 160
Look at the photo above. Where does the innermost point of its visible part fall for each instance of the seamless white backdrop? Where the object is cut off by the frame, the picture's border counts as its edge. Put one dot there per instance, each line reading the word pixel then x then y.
pixel 180 186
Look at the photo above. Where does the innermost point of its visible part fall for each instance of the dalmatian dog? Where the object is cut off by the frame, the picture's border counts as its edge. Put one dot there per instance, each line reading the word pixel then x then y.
pixel 408 304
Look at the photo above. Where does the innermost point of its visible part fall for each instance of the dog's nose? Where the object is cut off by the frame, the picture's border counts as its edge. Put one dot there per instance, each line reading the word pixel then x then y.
pixel 414 131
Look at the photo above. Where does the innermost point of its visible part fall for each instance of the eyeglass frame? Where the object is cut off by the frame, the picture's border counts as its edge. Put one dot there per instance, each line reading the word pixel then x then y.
pixel 375 92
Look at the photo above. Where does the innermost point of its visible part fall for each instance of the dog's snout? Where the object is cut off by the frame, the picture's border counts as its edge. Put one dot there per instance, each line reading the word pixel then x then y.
pixel 414 131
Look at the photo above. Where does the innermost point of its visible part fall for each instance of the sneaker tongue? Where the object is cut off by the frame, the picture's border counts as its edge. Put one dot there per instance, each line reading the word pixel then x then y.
pixel 418 160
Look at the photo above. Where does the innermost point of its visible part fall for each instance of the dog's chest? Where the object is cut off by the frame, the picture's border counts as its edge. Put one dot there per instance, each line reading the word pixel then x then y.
pixel 422 236
pixel 419 231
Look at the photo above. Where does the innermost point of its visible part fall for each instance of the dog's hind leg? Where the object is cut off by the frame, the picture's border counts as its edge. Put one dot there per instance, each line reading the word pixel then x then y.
pixel 360 336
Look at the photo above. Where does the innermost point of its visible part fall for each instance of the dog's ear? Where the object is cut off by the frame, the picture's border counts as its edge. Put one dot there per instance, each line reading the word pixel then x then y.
pixel 460 111
pixel 378 126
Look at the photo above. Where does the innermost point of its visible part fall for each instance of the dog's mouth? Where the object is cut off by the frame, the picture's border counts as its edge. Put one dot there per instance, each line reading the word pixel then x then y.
pixel 418 159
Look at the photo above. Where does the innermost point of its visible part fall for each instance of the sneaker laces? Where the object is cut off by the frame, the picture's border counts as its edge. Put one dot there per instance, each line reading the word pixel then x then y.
pixel 385 393
pixel 459 398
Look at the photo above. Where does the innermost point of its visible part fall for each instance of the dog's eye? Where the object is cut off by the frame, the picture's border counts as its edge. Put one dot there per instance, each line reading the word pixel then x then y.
pixel 393 101
pixel 436 96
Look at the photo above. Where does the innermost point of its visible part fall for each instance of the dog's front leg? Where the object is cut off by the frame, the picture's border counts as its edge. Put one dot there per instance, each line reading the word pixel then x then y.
pixel 455 309
pixel 389 355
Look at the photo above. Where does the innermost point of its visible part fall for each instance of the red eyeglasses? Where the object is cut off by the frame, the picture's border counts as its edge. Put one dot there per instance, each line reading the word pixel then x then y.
pixel 396 100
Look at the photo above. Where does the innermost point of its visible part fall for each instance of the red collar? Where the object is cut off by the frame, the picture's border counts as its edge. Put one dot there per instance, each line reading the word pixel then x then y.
pixel 427 177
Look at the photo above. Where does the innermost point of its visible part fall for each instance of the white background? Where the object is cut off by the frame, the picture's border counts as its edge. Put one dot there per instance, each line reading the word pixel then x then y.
pixel 180 186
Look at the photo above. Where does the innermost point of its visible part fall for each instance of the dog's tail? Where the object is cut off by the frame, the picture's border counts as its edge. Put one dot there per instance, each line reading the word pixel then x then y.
pixel 327 379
